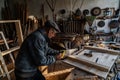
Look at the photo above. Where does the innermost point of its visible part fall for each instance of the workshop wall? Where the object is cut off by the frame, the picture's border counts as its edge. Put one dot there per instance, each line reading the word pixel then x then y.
pixel 35 5
pixel 1 5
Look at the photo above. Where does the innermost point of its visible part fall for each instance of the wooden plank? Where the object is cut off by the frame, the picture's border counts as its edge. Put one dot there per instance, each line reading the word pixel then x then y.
pixel 4 66
pixel 114 47
pixel 89 63
pixel 1 40
pixel 58 72
pixel 8 41
pixel 87 68
pixel 19 32
pixel 44 69
pixel 6 44
pixel 104 50
pixel 78 52
pixel 10 50
pixel 8 21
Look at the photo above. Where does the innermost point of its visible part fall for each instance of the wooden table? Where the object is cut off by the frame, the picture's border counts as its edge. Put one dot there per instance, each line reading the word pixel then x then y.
pixel 99 64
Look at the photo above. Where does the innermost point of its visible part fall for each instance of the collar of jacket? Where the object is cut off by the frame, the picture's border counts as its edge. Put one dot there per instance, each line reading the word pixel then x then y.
pixel 43 32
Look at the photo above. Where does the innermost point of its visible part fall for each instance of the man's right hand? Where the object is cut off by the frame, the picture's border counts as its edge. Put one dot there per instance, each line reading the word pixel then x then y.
pixel 60 56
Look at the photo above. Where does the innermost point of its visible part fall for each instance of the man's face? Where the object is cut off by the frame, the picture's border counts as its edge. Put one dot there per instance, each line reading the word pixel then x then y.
pixel 51 33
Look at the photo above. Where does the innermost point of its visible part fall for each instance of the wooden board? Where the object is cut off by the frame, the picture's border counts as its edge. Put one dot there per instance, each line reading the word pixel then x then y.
pixel 104 50
pixel 10 50
pixel 104 59
pixel 89 63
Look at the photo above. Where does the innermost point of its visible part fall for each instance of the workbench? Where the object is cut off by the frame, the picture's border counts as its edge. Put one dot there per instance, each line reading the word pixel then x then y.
pixel 99 63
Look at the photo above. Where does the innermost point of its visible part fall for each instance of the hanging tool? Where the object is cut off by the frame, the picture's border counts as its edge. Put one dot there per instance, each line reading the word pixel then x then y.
pixel 51 4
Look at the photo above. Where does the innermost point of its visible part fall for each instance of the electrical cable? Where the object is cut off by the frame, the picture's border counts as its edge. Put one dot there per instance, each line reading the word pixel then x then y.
pixel 81 4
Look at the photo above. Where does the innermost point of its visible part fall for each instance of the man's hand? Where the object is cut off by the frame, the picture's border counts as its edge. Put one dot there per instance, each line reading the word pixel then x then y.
pixel 60 56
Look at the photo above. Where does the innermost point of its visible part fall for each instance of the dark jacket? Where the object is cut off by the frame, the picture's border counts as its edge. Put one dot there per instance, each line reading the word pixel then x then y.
pixel 35 52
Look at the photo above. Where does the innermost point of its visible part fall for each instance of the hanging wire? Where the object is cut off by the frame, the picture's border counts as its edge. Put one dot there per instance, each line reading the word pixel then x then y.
pixel 74 3
pixel 65 4
pixel 81 4
pixel 51 4
pixel 54 4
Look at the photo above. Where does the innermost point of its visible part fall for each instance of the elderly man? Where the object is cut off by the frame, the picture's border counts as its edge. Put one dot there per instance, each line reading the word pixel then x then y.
pixel 35 52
